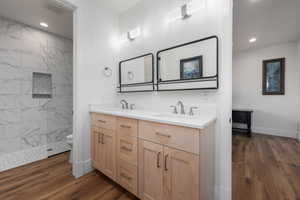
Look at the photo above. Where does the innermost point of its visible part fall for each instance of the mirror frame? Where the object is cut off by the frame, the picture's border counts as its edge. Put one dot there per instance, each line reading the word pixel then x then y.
pixel 135 85
pixel 202 79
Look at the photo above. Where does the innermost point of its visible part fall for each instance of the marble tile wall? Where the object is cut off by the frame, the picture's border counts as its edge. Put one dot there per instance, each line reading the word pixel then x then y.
pixel 25 122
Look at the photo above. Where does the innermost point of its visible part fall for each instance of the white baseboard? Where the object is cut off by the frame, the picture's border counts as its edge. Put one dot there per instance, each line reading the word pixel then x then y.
pixel 81 168
pixel 222 193
pixel 16 159
pixel 276 132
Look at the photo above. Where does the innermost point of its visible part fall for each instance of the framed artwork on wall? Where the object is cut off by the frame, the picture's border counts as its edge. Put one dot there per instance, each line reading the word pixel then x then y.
pixel 274 77
pixel 191 68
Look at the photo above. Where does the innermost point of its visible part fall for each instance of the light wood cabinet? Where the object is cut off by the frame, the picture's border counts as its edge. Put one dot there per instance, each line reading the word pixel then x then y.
pixel 166 173
pixel 150 171
pixel 103 151
pixel 104 121
pixel 96 148
pixel 183 138
pixel 181 175
pixel 127 176
pixel 127 155
pixel 104 144
pixel 155 161
pixel 127 150
pixel 127 127
pixel 108 151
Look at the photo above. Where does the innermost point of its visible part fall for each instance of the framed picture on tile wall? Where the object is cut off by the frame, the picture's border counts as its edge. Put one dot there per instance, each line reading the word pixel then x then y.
pixel 191 68
pixel 274 77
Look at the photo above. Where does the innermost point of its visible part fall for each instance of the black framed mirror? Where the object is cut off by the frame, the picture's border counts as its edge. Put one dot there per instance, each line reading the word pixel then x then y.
pixel 189 66
pixel 137 74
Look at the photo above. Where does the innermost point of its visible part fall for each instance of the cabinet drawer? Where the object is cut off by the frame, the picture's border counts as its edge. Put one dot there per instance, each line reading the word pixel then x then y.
pixel 127 176
pixel 127 149
pixel 127 127
pixel 182 138
pixel 103 131
pixel 104 121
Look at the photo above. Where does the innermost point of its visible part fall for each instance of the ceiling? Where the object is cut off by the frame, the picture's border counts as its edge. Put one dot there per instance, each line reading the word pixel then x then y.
pixel 122 5
pixel 59 18
pixel 270 21
pixel 32 12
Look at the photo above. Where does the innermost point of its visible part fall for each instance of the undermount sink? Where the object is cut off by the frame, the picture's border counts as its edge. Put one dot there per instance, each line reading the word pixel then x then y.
pixel 174 116
pixel 149 113
pixel 195 121
pixel 153 114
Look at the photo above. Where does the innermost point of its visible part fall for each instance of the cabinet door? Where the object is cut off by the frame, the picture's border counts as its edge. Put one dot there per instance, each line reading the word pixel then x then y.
pixel 96 148
pixel 181 175
pixel 108 158
pixel 150 171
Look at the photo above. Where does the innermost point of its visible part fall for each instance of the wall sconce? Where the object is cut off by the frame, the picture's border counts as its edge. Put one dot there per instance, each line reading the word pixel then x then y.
pixel 186 11
pixel 133 34
pixel 123 38
pixel 183 12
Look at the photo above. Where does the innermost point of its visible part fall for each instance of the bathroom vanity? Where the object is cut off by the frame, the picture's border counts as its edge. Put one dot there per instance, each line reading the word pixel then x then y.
pixel 155 156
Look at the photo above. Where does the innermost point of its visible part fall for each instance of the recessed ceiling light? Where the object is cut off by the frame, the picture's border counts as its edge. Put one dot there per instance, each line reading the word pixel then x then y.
pixel 43 24
pixel 252 40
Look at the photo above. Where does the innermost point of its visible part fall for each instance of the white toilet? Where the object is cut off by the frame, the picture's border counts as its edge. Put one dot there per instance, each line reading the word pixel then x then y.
pixel 70 142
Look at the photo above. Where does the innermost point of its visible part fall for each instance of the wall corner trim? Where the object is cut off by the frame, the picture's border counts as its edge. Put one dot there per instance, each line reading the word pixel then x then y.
pixel 81 168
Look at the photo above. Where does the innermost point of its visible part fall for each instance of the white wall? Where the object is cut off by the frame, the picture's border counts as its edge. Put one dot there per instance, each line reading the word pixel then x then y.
pixel 95 28
pixel 214 19
pixel 298 56
pixel 275 115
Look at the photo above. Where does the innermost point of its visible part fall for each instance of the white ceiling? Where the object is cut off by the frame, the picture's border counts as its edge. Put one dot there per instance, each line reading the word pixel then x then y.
pixel 122 5
pixel 32 12
pixel 270 21
pixel 59 19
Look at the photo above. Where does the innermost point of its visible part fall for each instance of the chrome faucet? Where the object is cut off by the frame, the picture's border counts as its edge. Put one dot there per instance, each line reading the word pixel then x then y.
pixel 182 111
pixel 192 110
pixel 174 109
pixel 124 104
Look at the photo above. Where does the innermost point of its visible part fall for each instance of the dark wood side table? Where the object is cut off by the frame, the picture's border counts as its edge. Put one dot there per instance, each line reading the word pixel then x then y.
pixel 243 116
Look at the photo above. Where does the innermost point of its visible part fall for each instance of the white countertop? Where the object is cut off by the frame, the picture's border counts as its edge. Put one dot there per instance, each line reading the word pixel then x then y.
pixel 197 121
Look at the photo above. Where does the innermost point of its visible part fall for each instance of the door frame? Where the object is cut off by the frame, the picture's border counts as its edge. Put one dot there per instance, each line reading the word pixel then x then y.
pixel 76 140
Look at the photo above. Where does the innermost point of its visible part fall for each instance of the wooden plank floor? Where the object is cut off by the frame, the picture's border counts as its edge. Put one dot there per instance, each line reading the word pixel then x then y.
pixel 51 179
pixel 266 168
